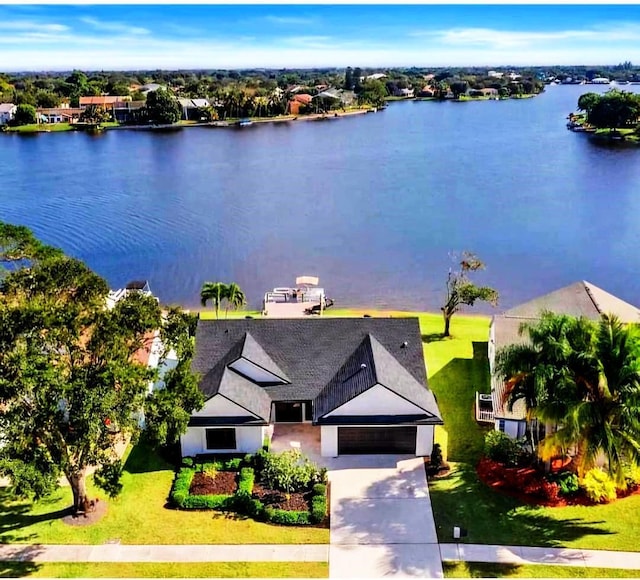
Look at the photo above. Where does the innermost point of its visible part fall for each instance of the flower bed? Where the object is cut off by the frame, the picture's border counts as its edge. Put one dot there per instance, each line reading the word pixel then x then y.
pixel 261 501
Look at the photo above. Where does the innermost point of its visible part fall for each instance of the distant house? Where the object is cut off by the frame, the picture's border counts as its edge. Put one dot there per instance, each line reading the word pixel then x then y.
pixel 297 102
pixel 489 92
pixel 406 93
pixel 150 88
pixel 494 74
pixel 426 91
pixel 600 81
pixel 127 111
pixel 346 98
pixel 102 101
pixel 191 108
pixel 375 77
pixel 59 114
pixel 359 383
pixel 578 299
pixel 7 111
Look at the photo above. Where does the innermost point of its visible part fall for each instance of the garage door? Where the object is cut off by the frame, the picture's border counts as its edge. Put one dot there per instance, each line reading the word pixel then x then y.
pixel 355 440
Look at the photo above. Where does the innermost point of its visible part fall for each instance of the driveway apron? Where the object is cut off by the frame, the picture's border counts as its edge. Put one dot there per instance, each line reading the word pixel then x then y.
pixel 381 519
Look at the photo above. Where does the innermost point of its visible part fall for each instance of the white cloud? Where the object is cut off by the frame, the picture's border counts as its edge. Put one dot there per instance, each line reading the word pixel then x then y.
pixel 291 20
pixel 503 39
pixel 117 27
pixel 30 26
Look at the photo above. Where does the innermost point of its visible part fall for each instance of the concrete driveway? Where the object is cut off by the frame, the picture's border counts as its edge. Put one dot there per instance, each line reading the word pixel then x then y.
pixel 381 519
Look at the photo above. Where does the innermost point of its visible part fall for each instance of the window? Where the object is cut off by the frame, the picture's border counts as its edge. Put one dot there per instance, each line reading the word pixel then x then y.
pixel 221 438
pixel 308 411
pixel 501 425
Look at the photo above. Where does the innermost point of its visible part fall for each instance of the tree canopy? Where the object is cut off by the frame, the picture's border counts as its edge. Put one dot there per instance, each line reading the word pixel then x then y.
pixel 71 378
pixel 613 110
pixel 163 108
pixel 218 292
pixel 584 378
pixel 461 291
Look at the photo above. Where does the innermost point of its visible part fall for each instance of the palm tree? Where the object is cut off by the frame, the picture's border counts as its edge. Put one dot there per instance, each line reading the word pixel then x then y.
pixel 604 417
pixel 538 372
pixel 585 378
pixel 216 292
pixel 235 297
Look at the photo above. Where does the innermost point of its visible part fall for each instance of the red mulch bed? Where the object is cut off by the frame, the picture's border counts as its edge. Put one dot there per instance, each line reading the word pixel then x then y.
pixel 278 499
pixel 529 486
pixel 224 483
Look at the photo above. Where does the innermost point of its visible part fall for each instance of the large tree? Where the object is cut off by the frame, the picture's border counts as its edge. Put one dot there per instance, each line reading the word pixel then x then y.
pixel 70 378
pixel 585 379
pixel 25 115
pixel 461 291
pixel 163 108
pixel 214 292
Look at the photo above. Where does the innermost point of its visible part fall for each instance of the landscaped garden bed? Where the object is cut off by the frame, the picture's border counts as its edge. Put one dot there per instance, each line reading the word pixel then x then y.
pixel 284 488
pixel 507 468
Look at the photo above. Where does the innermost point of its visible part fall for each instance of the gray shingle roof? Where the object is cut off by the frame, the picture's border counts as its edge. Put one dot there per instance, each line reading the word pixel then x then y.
pixel 372 364
pixel 309 352
pixel 252 351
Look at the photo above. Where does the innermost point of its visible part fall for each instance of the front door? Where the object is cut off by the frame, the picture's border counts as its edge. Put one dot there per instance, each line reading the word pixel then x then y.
pixel 288 412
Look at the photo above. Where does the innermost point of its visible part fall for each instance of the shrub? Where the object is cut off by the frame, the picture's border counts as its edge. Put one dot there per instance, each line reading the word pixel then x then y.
pixel 209 502
pixel 632 474
pixel 288 518
pixel 187 462
pixel 502 448
pixel 319 489
pixel 288 471
pixel 598 486
pixel 181 486
pixel 246 480
pixel 567 482
pixel 211 470
pixel 232 464
pixel 318 508
pixel 436 455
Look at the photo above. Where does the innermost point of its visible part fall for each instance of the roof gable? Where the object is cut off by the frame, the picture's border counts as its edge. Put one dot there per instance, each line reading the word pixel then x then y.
pixel 253 352
pixel 369 365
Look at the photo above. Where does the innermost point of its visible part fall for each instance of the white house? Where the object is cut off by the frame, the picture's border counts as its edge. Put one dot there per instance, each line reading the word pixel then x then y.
pixel 578 299
pixel 7 111
pixel 360 381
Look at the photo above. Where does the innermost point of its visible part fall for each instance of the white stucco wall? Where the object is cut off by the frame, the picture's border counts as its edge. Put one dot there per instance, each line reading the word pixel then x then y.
pixel 219 406
pixel 377 400
pixel 329 441
pixel 254 372
pixel 248 440
pixel 424 440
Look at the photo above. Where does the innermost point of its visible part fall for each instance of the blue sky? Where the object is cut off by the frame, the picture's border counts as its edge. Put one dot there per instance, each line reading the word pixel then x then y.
pixel 93 37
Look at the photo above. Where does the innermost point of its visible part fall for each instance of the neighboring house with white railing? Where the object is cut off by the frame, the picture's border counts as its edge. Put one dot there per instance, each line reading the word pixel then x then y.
pixel 578 299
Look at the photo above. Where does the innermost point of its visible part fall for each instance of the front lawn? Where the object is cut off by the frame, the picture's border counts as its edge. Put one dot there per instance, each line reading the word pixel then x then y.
pixel 168 570
pixel 140 516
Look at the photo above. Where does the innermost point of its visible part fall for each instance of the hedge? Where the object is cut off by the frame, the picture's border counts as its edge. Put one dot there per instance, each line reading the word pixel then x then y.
pixel 242 502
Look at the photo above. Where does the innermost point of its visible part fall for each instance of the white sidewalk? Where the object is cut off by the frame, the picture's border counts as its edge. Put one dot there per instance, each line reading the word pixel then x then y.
pixel 530 555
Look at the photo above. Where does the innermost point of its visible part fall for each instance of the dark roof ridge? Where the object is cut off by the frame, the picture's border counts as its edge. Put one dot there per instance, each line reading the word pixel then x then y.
pixel 591 296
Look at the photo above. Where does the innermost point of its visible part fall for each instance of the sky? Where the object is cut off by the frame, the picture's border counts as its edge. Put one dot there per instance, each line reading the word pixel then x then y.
pixel 128 37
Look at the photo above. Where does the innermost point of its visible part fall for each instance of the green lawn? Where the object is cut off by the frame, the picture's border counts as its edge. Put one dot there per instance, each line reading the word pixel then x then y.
pixel 478 570
pixel 139 516
pixel 41 127
pixel 172 570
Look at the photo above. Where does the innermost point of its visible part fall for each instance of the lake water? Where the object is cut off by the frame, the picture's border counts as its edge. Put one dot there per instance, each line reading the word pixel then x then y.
pixel 371 204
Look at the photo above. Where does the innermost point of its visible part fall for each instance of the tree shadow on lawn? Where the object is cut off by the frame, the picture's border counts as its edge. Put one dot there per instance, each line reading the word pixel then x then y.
pixel 15 516
pixel 460 499
pixel 20 563
pixel 144 459
pixel 483 570
pixel 455 386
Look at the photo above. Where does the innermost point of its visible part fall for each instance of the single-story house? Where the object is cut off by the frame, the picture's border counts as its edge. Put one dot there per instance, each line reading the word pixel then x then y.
pixel 7 111
pixel 578 299
pixel 127 111
pixel 191 108
pixel 407 93
pixel 489 92
pixel 297 102
pixel 361 381
pixel 59 114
